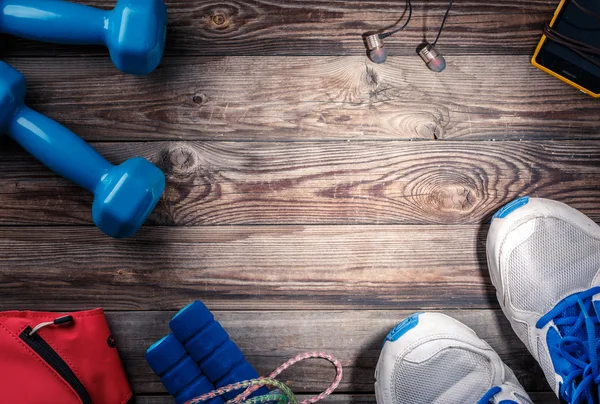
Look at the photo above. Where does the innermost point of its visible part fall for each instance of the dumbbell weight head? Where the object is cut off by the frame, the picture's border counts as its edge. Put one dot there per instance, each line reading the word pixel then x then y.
pixel 136 35
pixel 125 197
pixel 12 94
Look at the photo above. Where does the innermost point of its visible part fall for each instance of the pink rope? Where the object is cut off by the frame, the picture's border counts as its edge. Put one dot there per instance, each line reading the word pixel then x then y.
pixel 277 372
pixel 298 358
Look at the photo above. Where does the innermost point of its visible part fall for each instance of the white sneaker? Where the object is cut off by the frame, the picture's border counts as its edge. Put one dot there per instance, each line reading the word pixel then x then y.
pixel 431 358
pixel 544 260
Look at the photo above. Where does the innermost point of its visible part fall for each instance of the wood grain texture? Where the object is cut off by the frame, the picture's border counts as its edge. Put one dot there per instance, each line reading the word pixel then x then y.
pixel 328 27
pixel 478 97
pixel 292 189
pixel 244 268
pixel 542 397
pixel 241 183
pixel 354 337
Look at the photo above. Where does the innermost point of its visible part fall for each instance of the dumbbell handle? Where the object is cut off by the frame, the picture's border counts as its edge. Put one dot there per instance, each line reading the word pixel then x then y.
pixel 54 21
pixel 58 148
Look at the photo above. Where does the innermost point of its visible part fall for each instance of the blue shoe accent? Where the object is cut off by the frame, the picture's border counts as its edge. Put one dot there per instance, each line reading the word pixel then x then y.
pixel 408 324
pixel 511 207
pixel 573 345
pixel 561 365
pixel 487 397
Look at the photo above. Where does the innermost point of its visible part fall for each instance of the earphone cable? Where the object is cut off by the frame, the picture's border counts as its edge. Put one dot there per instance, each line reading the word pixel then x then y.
pixel 443 22
pixel 403 27
pixel 409 8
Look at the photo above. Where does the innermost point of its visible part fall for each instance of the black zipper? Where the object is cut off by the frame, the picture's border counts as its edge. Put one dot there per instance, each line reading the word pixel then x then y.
pixel 53 359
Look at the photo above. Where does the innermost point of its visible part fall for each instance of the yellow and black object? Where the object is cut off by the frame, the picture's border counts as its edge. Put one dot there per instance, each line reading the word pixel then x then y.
pixel 570 47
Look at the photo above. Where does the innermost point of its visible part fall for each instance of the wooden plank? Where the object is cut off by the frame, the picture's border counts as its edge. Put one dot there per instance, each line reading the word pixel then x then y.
pixel 478 97
pixel 270 338
pixel 546 397
pixel 226 183
pixel 328 27
pixel 244 268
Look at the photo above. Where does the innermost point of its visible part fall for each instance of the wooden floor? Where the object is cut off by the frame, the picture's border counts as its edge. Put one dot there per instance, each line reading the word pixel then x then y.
pixel 313 199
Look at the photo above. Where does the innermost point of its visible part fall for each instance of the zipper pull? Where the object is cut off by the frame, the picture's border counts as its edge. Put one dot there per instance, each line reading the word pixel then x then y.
pixel 57 321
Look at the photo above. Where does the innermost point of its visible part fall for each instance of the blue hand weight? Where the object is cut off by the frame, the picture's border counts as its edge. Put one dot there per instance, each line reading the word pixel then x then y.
pixel 134 31
pixel 209 345
pixel 124 195
pixel 180 375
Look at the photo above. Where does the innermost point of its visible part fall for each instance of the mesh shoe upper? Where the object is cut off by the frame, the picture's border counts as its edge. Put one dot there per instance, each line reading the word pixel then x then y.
pixel 460 375
pixel 557 260
pixel 431 358
pixel 544 260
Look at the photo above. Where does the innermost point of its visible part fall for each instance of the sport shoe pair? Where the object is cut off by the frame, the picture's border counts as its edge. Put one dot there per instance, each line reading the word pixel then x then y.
pixel 544 260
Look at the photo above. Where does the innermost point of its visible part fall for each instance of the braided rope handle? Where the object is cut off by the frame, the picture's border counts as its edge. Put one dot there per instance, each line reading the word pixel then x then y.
pixel 286 395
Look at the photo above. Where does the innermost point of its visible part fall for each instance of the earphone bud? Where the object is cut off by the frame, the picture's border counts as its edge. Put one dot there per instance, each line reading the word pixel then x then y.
pixel 432 58
pixel 377 52
pixel 427 51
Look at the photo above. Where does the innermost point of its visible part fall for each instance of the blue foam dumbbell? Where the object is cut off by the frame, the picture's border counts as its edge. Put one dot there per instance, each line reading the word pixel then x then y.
pixel 178 372
pixel 124 195
pixel 134 31
pixel 209 345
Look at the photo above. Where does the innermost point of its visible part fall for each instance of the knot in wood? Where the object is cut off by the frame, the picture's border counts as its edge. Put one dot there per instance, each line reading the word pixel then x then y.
pixel 179 161
pixel 446 193
pixel 200 99
pixel 219 19
pixel 224 18
pixel 429 130
pixel 455 198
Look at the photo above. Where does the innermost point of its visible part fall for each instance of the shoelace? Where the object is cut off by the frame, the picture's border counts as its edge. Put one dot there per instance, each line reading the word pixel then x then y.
pixel 577 321
pixel 284 395
pixel 487 397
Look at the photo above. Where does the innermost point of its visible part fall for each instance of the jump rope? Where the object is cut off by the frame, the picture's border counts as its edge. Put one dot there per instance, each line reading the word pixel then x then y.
pixel 281 394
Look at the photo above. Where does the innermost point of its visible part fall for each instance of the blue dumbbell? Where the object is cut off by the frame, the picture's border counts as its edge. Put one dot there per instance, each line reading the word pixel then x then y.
pixel 134 31
pixel 178 372
pixel 124 195
pixel 209 345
